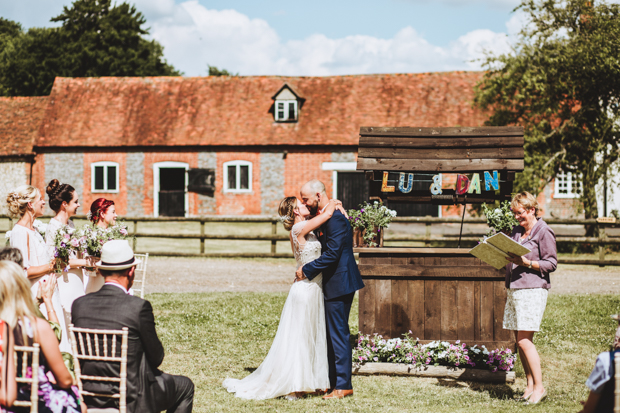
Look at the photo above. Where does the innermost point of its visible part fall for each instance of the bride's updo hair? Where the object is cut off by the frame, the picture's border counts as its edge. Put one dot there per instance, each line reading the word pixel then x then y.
pixel 19 198
pixel 287 212
pixel 58 193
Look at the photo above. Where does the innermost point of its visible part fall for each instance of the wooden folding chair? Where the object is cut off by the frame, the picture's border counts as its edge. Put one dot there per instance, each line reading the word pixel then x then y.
pixel 100 345
pixel 140 279
pixel 26 354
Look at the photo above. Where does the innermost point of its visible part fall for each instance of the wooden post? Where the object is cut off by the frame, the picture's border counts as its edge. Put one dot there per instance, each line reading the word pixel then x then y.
pixel 274 231
pixel 202 234
pixel 601 247
pixel 428 233
pixel 135 231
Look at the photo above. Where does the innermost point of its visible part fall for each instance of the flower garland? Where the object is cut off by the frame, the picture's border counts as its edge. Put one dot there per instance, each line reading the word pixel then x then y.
pixel 437 353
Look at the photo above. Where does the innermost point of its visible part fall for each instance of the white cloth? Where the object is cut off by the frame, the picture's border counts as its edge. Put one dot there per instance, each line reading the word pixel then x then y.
pixel 117 285
pixel 71 283
pixel 297 360
pixel 525 308
pixel 29 241
pixel 602 372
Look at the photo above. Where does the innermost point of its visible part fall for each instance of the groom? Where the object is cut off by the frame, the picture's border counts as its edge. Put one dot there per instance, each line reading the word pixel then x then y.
pixel 341 278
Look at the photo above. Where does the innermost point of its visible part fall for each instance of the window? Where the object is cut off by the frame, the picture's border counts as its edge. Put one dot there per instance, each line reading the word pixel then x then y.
pixel 104 177
pixel 286 110
pixel 238 176
pixel 568 185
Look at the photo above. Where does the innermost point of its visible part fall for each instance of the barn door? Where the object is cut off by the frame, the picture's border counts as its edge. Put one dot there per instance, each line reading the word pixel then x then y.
pixel 172 192
pixel 352 189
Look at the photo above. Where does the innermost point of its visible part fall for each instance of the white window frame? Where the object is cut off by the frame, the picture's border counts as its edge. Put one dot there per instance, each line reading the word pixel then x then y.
pixel 168 164
pixel 567 179
pixel 106 165
pixel 237 164
pixel 286 103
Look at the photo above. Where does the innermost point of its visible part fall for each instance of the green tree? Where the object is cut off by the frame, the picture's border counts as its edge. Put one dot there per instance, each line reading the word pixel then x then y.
pixel 214 71
pixel 562 83
pixel 96 38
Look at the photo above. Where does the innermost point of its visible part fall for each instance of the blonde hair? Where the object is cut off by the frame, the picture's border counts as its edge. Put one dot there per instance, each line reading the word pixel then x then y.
pixel 19 198
pixel 526 200
pixel 287 212
pixel 15 297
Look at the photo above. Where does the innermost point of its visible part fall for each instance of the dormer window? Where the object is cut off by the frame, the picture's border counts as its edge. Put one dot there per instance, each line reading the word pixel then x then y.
pixel 286 110
pixel 287 105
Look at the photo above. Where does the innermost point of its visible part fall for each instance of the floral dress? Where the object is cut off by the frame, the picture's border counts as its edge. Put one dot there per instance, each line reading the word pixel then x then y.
pixel 52 399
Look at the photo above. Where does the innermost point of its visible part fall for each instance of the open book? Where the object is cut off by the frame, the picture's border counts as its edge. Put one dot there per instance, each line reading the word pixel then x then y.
pixel 495 249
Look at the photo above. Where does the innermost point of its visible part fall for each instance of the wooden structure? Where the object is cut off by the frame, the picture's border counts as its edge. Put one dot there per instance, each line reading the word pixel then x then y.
pixel 436 293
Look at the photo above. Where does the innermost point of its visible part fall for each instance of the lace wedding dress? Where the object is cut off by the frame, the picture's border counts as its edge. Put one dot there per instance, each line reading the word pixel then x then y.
pixel 297 360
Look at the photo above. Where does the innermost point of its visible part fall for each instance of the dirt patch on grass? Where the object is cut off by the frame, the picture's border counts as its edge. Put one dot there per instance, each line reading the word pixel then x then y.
pixel 276 275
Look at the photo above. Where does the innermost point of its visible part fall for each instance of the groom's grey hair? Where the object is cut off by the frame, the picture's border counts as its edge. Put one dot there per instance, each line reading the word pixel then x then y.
pixel 316 186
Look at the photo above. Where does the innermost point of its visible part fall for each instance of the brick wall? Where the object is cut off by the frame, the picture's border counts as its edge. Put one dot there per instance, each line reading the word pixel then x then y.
pixel 120 197
pixel 68 168
pixel 134 173
pixel 206 204
pixel 238 203
pixel 271 181
pixel 300 167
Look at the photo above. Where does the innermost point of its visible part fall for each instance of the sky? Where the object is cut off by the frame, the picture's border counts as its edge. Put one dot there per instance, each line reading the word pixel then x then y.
pixel 314 38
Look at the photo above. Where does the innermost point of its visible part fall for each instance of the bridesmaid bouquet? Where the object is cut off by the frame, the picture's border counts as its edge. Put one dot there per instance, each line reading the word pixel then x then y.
pixel 91 238
pixel 65 243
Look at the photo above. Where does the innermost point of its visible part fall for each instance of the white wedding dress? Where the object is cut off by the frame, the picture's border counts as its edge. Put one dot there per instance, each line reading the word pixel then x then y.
pixel 297 360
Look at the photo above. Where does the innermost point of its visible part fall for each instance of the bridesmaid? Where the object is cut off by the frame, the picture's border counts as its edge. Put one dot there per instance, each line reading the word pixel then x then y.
pixel 102 215
pixel 26 204
pixel 63 199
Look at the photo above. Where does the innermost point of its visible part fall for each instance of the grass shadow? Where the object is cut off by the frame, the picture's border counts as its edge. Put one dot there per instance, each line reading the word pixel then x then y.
pixel 250 369
pixel 495 391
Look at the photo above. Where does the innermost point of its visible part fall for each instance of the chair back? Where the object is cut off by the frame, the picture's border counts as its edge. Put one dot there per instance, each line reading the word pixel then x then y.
pixel 139 281
pixel 617 382
pixel 29 357
pixel 100 345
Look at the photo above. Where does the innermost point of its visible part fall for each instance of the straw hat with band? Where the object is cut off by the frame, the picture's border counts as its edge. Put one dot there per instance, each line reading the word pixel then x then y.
pixel 117 255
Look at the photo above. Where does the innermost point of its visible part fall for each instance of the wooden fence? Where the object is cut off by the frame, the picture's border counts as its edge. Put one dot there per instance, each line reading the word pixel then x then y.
pixel 601 241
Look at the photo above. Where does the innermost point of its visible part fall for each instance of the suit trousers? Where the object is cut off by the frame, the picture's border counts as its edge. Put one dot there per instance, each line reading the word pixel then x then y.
pixel 339 354
pixel 174 394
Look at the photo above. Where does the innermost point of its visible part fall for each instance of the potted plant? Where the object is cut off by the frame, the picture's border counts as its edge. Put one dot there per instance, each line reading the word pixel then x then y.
pixel 369 223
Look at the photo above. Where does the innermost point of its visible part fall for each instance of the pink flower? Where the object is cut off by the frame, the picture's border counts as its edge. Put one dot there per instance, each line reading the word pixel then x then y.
pixel 66 236
pixel 123 231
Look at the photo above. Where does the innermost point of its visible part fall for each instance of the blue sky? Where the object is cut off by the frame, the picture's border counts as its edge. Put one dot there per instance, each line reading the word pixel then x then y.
pixel 314 38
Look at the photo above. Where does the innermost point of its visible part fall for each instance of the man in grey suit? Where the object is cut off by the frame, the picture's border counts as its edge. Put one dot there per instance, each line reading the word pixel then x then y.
pixel 148 389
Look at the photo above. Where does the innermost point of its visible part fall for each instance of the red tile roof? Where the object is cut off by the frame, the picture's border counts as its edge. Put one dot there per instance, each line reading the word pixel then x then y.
pixel 20 119
pixel 178 111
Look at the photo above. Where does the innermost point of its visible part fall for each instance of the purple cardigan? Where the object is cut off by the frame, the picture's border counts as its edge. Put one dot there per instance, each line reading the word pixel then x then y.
pixel 541 243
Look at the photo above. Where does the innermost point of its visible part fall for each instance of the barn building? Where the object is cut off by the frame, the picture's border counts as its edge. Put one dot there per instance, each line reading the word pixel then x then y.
pixel 175 146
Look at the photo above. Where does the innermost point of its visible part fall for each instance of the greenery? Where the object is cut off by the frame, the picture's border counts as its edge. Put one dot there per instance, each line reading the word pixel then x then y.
pixel 562 83
pixel 499 219
pixel 96 38
pixel 214 71
pixel 212 336
pixel 371 218
pixel 407 350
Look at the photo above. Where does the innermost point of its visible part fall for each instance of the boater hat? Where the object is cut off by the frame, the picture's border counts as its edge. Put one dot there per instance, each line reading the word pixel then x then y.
pixel 117 255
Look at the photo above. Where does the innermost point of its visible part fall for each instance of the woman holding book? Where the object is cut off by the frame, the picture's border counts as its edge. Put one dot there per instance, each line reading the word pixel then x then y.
pixel 528 283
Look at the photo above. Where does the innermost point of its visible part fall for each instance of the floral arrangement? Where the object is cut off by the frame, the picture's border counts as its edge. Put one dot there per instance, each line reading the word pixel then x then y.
pixel 437 353
pixel 38 225
pixel 64 245
pixel 90 238
pixel 370 219
pixel 499 219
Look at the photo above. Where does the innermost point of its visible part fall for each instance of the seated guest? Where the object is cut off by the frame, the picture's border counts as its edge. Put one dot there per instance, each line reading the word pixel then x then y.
pixel 112 308
pixel 18 310
pixel 601 381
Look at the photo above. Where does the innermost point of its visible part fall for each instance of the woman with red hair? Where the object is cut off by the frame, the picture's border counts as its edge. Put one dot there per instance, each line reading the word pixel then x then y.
pixel 103 215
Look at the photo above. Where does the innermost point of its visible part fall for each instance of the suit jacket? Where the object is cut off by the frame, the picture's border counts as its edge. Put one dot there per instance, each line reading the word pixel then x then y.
pixel 111 308
pixel 337 263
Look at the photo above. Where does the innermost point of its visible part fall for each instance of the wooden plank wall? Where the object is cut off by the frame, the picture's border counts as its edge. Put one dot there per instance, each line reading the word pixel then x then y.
pixel 456 150
pixel 469 308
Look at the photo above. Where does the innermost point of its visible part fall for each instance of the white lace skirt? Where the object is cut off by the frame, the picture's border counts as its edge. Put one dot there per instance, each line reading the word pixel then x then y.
pixel 525 308
pixel 297 359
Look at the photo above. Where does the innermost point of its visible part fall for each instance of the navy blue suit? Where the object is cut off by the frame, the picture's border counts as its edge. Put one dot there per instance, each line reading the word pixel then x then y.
pixel 341 278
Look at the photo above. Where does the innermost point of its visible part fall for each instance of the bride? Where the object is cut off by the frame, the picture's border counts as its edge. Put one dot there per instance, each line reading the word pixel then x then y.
pixel 297 361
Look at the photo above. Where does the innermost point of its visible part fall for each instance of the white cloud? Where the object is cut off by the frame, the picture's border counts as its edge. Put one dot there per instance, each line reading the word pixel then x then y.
pixel 194 36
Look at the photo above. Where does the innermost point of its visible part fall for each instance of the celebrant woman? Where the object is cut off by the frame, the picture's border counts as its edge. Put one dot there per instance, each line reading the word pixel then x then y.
pixel 528 284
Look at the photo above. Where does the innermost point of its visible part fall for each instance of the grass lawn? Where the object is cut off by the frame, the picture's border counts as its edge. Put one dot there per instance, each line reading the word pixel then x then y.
pixel 211 336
